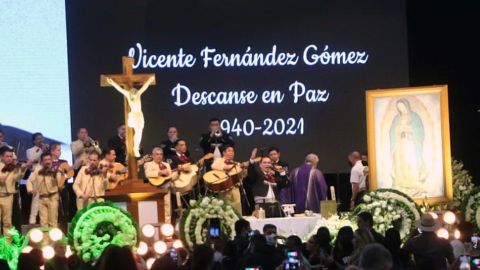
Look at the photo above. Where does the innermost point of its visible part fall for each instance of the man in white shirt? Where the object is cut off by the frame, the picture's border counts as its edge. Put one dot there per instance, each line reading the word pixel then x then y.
pixel 83 146
pixel 91 182
pixel 155 168
pixel 33 155
pixel 357 178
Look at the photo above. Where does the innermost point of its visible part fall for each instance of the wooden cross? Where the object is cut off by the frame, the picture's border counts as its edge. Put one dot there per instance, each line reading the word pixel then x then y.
pixel 127 80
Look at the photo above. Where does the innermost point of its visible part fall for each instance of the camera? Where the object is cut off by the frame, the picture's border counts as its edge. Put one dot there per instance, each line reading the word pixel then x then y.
pixel 173 254
pixel 292 261
pixel 214 229
pixel 475 241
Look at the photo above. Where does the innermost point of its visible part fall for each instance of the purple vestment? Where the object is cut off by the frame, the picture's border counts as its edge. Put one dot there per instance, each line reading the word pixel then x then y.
pixel 307 188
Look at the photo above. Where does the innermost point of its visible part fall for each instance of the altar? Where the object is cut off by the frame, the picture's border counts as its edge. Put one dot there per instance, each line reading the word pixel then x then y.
pixel 286 226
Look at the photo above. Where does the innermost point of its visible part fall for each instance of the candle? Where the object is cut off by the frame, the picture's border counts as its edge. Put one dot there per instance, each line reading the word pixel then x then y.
pixel 332 190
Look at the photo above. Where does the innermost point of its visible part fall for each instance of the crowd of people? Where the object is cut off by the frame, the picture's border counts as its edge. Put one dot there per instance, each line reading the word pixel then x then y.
pixel 363 248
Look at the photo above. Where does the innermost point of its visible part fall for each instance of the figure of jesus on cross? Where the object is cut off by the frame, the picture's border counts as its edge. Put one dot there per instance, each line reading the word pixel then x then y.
pixel 124 83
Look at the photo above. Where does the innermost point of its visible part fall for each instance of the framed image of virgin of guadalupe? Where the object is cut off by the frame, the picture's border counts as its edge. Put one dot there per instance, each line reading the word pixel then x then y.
pixel 409 142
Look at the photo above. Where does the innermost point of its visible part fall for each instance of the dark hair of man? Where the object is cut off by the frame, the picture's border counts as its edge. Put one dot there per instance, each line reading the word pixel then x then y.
pixel 367 217
pixel 34 135
pixel 267 227
pixel 225 147
pixel 45 155
pixel 108 150
pixel 214 119
pixel 240 225
pixel 273 148
pixel 175 143
pixel 4 150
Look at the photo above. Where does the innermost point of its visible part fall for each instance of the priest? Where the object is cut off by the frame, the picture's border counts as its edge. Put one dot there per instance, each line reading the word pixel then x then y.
pixel 307 187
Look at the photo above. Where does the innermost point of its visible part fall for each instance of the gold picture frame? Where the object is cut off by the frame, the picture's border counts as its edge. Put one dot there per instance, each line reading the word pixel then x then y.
pixel 408 134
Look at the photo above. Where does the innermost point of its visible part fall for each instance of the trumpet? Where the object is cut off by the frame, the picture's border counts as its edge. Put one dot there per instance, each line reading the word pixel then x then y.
pixel 218 133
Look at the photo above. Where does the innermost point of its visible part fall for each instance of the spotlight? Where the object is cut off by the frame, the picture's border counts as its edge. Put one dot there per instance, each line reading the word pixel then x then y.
pixel 27 249
pixel 167 230
pixel 142 248
pixel 456 234
pixel 55 234
pixel 177 244
pixel 150 262
pixel 48 252
pixel 449 217
pixel 433 214
pixel 443 233
pixel 148 230
pixel 160 247
pixel 68 251
pixel 36 235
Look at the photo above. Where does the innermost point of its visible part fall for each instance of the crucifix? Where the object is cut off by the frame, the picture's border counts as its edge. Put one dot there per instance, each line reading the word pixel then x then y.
pixel 132 107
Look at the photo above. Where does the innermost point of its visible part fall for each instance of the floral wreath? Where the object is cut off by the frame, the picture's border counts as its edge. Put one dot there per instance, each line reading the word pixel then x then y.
pixel 11 245
pixel 98 226
pixel 333 223
pixel 471 207
pixel 390 208
pixel 462 184
pixel 194 223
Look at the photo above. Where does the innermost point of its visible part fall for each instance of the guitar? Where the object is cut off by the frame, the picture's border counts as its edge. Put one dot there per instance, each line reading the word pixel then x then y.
pixel 185 180
pixel 184 177
pixel 120 171
pixel 220 180
pixel 67 172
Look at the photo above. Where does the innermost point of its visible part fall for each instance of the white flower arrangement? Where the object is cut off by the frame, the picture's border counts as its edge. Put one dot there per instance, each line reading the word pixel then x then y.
pixel 333 223
pixel 462 184
pixel 390 208
pixel 471 207
pixel 194 223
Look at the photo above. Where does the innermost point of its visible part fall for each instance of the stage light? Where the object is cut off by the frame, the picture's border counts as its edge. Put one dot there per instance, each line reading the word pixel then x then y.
pixel 160 247
pixel 443 233
pixel 36 235
pixel 150 262
pixel 68 251
pixel 148 230
pixel 449 217
pixel 433 214
pixel 55 234
pixel 27 249
pixel 177 244
pixel 456 234
pixel 142 248
pixel 167 229
pixel 48 252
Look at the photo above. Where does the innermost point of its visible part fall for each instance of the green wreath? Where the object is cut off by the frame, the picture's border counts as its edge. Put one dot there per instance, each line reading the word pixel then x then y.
pixel 99 225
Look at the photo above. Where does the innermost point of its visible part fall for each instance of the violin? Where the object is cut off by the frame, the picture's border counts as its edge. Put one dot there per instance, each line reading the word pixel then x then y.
pixel 47 171
pixel 14 166
pixel 94 170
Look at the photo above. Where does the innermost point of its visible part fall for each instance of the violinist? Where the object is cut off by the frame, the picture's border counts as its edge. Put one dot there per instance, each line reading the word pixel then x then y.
pixel 266 181
pixel 277 164
pixel 155 168
pixel 46 183
pixel 10 174
pixel 83 146
pixel 109 162
pixel 91 182
pixel 227 163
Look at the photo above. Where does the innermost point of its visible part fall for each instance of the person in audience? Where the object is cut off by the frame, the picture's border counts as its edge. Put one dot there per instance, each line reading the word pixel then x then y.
pixel 242 228
pixel 202 258
pixel 270 232
pixel 25 262
pixel 164 263
pixel 115 257
pixel 59 261
pixel 260 255
pixel 294 243
pixel 343 247
pixel 429 251
pixel 393 243
pixel 230 256
pixel 365 221
pixel 375 257
pixel 324 241
pixel 361 238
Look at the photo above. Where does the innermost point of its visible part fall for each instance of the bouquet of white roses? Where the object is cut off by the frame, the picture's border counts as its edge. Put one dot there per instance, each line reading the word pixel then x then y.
pixel 462 184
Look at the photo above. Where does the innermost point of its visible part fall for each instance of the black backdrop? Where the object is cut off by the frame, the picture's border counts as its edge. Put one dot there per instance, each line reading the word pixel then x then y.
pixel 100 32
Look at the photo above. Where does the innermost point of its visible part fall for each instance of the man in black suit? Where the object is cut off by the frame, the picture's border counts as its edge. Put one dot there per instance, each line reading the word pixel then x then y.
pixel 265 182
pixel 180 156
pixel 119 144
pixel 274 155
pixel 167 145
pixel 216 138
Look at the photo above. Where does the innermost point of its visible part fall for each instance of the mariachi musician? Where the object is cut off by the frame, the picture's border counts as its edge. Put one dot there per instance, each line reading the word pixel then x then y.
pixel 227 164
pixel 215 139
pixel 265 180
pixel 10 173
pixel 46 183
pixel 82 147
pixel 158 168
pixel 277 164
pixel 91 182
pixel 109 162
